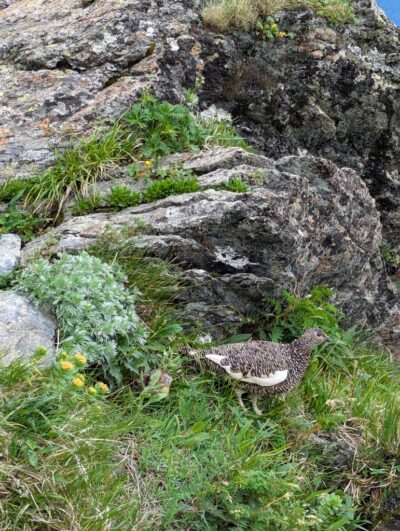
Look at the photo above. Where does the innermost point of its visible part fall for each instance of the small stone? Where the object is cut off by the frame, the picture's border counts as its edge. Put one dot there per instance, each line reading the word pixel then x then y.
pixel 317 54
pixel 23 329
pixel 10 252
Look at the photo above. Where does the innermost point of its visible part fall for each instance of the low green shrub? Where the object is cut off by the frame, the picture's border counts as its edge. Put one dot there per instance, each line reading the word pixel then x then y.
pixel 236 185
pixel 15 219
pixel 159 283
pixel 94 311
pixel 123 197
pixel 169 186
pixel 9 189
pixel 165 128
pixel 85 204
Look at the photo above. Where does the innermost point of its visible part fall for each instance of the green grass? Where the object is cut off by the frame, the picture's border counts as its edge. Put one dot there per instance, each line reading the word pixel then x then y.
pixel 170 186
pixel 225 15
pixel 195 460
pixel 323 456
pixel 9 189
pixel 15 219
pixel 236 185
pixel 123 197
pixel 163 186
pixel 148 130
pixel 80 166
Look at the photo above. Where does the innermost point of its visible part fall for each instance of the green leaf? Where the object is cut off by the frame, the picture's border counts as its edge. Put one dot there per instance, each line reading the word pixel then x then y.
pixel 198 427
pixel 238 338
pixel 155 377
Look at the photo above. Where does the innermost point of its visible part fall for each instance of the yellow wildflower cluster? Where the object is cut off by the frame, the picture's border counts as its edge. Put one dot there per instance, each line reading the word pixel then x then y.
pixel 67 365
pixel 78 382
pixel 148 163
pixel 80 359
pixel 282 34
pixel 70 364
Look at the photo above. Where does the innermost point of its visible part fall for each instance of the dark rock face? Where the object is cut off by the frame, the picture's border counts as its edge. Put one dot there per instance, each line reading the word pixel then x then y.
pixel 332 92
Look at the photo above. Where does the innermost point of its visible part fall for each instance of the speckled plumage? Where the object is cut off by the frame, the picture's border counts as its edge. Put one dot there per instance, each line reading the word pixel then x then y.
pixel 264 361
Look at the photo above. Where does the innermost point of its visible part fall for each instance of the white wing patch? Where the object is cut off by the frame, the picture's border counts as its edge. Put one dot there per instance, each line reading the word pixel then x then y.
pixel 218 359
pixel 269 380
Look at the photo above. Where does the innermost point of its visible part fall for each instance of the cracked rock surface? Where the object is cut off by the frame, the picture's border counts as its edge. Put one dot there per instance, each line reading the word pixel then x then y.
pixel 10 252
pixel 303 222
pixel 65 65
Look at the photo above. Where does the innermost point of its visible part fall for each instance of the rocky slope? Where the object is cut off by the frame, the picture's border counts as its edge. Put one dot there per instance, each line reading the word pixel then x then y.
pixel 328 92
pixel 334 92
pixel 292 230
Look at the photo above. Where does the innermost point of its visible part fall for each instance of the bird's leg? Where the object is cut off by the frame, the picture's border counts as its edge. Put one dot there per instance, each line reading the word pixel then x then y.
pixel 254 399
pixel 239 393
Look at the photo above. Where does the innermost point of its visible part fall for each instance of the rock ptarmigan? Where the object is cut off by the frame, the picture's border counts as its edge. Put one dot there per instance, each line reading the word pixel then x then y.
pixel 262 367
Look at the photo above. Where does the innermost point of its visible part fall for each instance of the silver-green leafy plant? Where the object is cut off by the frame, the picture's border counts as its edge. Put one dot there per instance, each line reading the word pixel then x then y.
pixel 95 312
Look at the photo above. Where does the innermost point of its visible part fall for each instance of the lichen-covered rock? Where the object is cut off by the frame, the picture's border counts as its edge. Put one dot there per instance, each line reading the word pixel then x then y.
pixel 10 252
pixel 23 329
pixel 302 222
pixel 68 64
pixel 332 91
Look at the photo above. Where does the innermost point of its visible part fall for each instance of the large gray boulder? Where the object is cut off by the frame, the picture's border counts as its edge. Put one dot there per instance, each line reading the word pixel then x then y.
pixel 303 222
pixel 10 252
pixel 23 329
pixel 333 91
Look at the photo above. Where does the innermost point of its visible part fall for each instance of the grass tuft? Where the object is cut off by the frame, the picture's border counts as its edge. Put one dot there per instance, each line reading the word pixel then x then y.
pixel 225 15
pixel 149 129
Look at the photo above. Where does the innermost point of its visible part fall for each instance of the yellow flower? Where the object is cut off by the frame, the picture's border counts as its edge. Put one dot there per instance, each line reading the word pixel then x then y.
pixel 92 390
pixel 67 365
pixel 77 382
pixel 80 359
pixel 80 376
pixel 148 163
pixel 274 26
pixel 282 34
pixel 102 387
pixel 64 355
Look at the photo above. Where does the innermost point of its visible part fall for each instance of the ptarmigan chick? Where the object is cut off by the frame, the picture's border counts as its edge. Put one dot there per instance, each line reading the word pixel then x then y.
pixel 263 367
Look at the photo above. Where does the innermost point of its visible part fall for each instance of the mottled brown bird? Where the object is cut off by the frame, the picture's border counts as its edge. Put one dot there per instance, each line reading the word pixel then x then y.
pixel 262 367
